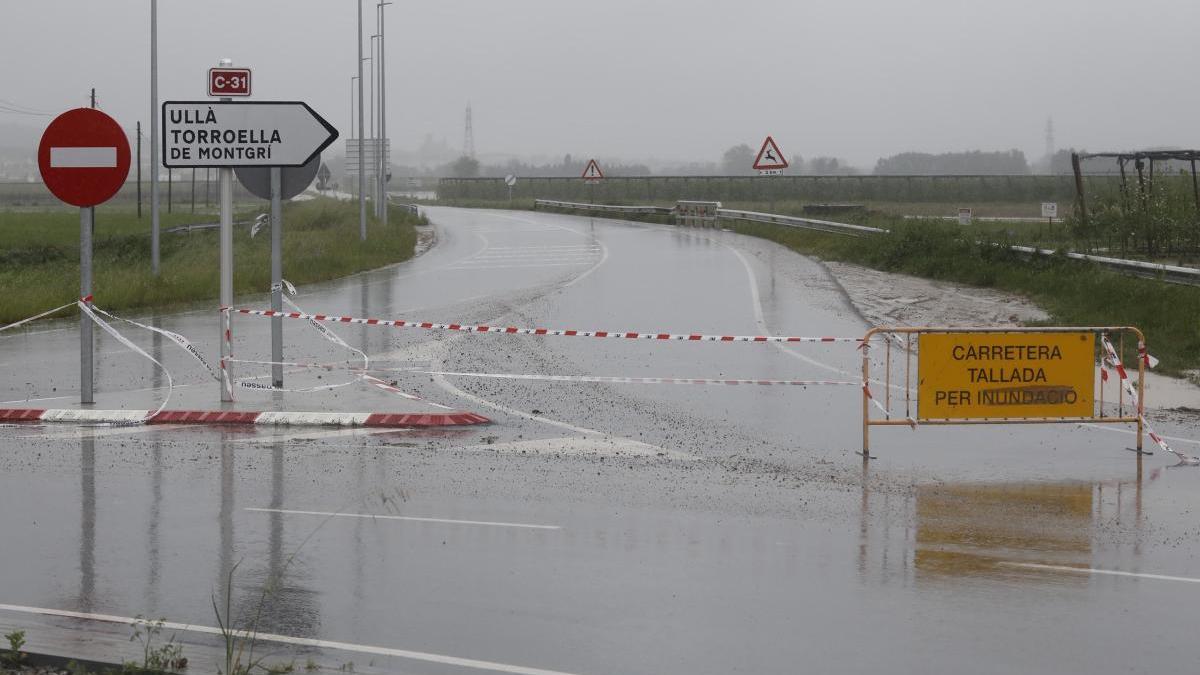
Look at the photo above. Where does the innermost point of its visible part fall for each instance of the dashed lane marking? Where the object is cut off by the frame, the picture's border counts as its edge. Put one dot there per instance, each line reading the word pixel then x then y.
pixel 416 519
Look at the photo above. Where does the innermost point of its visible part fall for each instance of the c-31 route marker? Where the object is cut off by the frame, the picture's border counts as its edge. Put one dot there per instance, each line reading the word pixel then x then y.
pixel 242 133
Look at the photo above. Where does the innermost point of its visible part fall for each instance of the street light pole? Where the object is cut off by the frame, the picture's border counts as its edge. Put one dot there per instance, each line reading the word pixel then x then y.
pixel 362 163
pixel 371 132
pixel 352 137
pixel 154 236
pixel 383 150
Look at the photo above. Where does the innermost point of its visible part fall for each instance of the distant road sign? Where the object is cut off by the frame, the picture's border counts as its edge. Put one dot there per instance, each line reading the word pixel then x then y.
pixel 323 176
pixel 242 133
pixel 770 159
pixel 510 180
pixel 964 216
pixel 295 179
pixel 84 157
pixel 228 81
pixel 592 172
pixel 1049 209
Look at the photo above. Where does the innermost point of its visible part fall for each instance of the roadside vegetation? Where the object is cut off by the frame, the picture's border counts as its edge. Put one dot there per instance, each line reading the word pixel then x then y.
pixel 39 255
pixel 1073 293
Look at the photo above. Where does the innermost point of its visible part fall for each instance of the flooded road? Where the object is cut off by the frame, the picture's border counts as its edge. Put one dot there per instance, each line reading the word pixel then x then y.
pixel 595 526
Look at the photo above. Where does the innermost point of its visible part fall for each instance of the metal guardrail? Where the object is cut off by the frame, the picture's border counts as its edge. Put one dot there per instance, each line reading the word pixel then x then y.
pixel 796 221
pixel 1170 273
pixel 604 208
pixel 411 208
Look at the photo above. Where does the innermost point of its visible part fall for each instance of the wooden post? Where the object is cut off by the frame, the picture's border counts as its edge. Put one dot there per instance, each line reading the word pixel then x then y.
pixel 1080 200
pixel 1124 185
pixel 1195 187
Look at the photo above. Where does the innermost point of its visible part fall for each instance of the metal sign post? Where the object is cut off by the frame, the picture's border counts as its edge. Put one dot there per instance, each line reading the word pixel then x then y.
pixel 510 180
pixel 225 199
pixel 276 184
pixel 86 344
pixel 277 275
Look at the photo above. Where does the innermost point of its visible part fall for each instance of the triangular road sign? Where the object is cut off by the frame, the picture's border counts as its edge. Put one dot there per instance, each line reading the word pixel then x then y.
pixel 592 172
pixel 769 157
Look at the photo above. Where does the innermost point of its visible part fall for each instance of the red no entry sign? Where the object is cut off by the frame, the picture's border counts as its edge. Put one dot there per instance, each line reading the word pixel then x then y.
pixel 84 157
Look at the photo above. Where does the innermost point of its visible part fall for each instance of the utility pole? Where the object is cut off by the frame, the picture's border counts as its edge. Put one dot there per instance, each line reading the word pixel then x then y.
pixel 362 160
pixel 154 252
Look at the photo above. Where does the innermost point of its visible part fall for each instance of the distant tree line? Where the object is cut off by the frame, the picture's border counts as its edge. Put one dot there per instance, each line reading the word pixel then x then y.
pixel 971 163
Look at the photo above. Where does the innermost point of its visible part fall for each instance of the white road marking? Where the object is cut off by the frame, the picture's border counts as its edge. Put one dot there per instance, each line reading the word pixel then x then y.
pixel 1092 570
pixel 83 158
pixel 315 435
pixel 514 267
pixel 370 516
pixel 78 433
pixel 598 447
pixel 306 642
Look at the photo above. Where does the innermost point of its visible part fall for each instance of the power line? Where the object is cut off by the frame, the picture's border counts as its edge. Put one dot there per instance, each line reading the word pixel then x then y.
pixel 20 109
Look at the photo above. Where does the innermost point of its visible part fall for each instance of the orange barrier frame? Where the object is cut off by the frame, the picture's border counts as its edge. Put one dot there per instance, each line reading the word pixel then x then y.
pixel 911 332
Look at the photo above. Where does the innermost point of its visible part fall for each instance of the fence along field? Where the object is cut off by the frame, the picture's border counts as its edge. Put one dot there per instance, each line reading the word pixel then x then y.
pixel 866 188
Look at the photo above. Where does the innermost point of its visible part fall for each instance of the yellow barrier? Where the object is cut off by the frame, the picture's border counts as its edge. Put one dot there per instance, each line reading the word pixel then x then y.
pixel 998 376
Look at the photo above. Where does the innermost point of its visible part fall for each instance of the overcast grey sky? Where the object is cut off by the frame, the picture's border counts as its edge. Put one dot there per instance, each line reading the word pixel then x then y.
pixel 655 79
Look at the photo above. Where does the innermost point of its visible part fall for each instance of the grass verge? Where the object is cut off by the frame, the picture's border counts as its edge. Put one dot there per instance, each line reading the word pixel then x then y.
pixel 1073 293
pixel 39 256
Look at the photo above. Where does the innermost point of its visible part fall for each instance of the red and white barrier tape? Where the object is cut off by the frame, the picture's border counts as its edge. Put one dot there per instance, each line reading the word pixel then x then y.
pixel 559 332
pixel 84 308
pixel 178 339
pixel 22 322
pixel 638 380
pixel 1115 361
pixel 376 382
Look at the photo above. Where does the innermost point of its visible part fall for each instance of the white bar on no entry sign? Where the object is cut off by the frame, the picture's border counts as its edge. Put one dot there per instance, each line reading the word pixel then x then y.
pixel 83 158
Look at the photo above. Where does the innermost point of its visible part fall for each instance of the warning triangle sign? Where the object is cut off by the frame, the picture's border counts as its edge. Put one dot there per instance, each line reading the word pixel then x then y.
pixel 769 157
pixel 592 172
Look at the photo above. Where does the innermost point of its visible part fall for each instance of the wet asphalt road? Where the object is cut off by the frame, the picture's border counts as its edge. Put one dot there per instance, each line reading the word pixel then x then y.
pixel 594 527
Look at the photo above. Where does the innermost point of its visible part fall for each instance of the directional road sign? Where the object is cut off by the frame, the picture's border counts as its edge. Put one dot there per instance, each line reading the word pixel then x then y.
pixel 242 133
pixel 294 179
pixel 228 81
pixel 592 172
pixel 769 158
pixel 84 157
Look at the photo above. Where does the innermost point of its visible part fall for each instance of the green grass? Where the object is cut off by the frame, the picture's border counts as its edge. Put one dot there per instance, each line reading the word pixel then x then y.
pixel 1073 293
pixel 39 256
